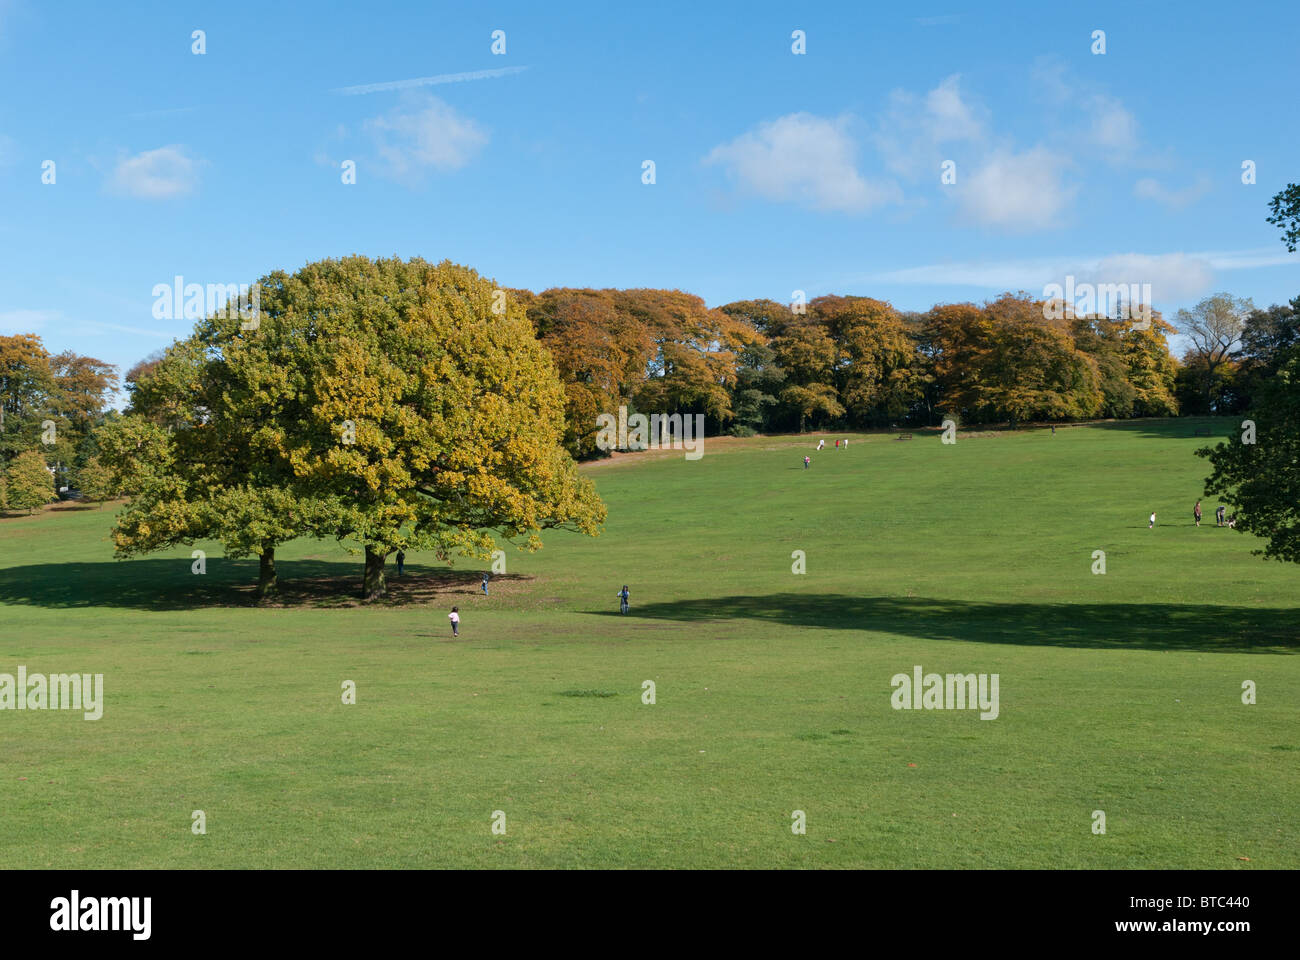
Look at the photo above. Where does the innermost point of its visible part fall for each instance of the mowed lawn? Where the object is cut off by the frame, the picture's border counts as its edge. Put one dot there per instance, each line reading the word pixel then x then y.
pixel 1119 692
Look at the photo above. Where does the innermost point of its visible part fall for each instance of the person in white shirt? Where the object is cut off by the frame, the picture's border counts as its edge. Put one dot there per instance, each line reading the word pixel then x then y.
pixel 821 443
pixel 1152 524
pixel 454 617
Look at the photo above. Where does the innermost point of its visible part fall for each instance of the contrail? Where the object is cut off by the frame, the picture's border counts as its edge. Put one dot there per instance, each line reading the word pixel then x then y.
pixel 428 81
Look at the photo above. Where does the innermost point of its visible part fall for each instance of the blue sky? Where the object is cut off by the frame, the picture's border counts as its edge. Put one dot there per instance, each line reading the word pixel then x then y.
pixel 774 172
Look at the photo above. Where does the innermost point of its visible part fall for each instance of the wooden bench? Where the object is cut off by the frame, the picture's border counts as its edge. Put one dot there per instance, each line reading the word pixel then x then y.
pixel 904 436
pixel 1202 432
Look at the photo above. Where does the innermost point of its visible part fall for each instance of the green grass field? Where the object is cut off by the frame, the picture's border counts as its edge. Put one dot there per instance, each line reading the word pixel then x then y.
pixel 1120 693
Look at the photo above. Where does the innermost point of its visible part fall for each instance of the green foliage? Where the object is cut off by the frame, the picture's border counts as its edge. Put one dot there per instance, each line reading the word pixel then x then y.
pixel 67 390
pixel 380 402
pixel 28 482
pixel 96 481
pixel 1285 207
pixel 1260 474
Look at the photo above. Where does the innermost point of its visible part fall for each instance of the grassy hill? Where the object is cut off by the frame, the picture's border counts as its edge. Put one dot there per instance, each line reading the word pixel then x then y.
pixel 1118 692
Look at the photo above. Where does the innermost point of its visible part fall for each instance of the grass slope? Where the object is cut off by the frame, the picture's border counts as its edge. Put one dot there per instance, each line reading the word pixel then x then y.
pixel 1119 693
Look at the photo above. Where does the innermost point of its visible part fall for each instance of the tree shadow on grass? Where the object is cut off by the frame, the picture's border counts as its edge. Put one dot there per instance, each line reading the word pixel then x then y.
pixel 170 584
pixel 1118 626
pixel 1176 428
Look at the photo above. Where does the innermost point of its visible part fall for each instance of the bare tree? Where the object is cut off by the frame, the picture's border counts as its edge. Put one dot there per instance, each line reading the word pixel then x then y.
pixel 1215 326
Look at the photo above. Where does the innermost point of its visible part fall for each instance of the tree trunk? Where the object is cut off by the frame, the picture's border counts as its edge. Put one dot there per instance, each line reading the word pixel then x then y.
pixel 373 587
pixel 268 584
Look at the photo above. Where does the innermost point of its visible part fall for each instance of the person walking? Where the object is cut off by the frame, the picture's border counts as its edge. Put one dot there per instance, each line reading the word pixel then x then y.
pixel 807 462
pixel 1218 515
pixel 623 599
pixel 486 577
pixel 1151 525
pixel 1196 512
pixel 401 561
pixel 454 617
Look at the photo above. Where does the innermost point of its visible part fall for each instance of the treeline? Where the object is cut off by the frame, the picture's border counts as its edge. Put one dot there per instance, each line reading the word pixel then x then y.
pixel 837 362
pixel 51 406
pixel 1236 350
pixel 845 362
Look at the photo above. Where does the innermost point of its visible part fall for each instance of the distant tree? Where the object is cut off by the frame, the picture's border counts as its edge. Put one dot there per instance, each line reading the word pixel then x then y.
pixel 142 368
pixel 1286 214
pixel 877 371
pixel 694 366
pixel 27 387
pixel 807 354
pixel 757 385
pixel 1270 333
pixel 84 386
pixel 67 391
pixel 28 482
pixel 1149 366
pixel 1006 360
pixel 956 338
pixel 1261 479
pixel 600 353
pixel 1137 374
pixel 1214 326
pixel 759 378
pixel 96 482
pixel 816 401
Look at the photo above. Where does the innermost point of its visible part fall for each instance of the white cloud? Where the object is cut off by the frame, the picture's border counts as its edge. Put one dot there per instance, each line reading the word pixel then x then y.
pixel 1251 259
pixel 913 128
pixel 1048 78
pixel 155 174
pixel 422 135
pixel 1114 128
pixel 1177 276
pixel 13 322
pixel 1020 192
pixel 1173 276
pixel 952 118
pixel 160 112
pixel 429 81
pixel 805 159
pixel 1151 189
